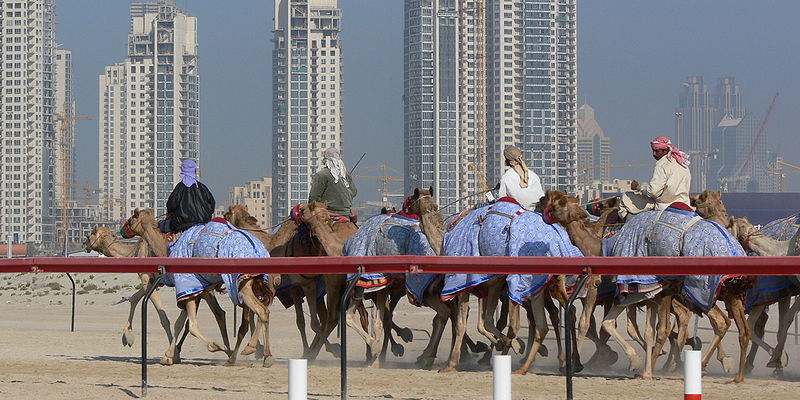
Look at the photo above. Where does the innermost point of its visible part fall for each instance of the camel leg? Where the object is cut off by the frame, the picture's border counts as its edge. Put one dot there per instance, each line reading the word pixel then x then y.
pixel 633 326
pixel 609 325
pixel 388 322
pixel 559 292
pixel 736 307
pixel 334 285
pixel 588 309
pixel 536 332
pixel 649 338
pixel 720 324
pixel 443 312
pixel 219 315
pixel 155 298
pixel 194 329
pixel 169 355
pixel 381 302
pixel 555 320
pixel 459 328
pixel 663 309
pixel 486 324
pixel 127 331
pixel 299 318
pixel 757 321
pixel 247 316
pixel 261 312
pixel 785 321
pixel 682 318
pixel 352 310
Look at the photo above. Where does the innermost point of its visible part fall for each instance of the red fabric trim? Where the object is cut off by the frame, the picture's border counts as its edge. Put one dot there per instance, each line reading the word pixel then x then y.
pixel 746 243
pixel 408 215
pixel 681 206
pixel 509 199
pixel 546 215
pixel 219 219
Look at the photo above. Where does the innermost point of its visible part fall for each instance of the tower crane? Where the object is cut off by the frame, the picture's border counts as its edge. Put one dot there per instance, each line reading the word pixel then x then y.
pixel 760 132
pixel 65 151
pixel 385 194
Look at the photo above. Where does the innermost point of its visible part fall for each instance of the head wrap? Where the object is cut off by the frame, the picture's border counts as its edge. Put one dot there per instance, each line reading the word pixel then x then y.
pixel 188 172
pixel 333 161
pixel 663 143
pixel 514 156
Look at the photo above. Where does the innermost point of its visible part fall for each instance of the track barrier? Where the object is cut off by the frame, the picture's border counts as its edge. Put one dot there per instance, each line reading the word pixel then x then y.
pixel 298 379
pixel 692 375
pixel 501 377
pixel 583 266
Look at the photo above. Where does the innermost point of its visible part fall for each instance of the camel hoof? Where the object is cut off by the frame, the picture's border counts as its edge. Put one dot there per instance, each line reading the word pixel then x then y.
pixel 520 371
pixel 398 350
pixel 576 367
pixel 335 349
pixel 777 373
pixel 735 380
pixel 127 338
pixel 425 362
pixel 268 361
pixel 542 350
pixel 695 343
pixel 635 363
pixel 481 347
pixel 230 363
pixel 448 369
pixel 166 361
pixel 213 347
pixel 406 334
pixel 486 359
pixel 784 361
pixel 519 346
pixel 727 364
pixel 248 350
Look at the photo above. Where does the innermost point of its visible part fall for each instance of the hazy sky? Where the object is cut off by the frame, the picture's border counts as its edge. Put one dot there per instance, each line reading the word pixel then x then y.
pixel 632 57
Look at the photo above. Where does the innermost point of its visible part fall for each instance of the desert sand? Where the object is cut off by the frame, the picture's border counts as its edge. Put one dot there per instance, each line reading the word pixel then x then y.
pixel 40 358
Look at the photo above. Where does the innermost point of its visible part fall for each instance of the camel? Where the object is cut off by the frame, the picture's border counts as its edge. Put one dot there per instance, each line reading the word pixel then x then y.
pixel 568 213
pixel 102 240
pixel 255 293
pixel 327 237
pixel 505 229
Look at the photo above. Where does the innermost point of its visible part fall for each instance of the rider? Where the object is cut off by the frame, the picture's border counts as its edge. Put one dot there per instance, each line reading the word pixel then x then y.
pixel 190 203
pixel 519 182
pixel 333 185
pixel 670 182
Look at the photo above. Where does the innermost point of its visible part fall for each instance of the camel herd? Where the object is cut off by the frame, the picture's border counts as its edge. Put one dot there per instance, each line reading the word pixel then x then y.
pixel 558 227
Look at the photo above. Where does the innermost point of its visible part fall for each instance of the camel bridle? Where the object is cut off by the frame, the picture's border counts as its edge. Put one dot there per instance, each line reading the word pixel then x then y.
pixel 328 220
pixel 421 196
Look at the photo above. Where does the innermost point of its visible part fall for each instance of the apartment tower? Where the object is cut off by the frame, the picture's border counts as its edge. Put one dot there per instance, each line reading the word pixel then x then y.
pixel 257 197
pixel 307 96
pixel 149 110
pixel 594 149
pixel 27 130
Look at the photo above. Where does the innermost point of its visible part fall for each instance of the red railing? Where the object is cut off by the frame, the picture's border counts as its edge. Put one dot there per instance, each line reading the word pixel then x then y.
pixel 419 264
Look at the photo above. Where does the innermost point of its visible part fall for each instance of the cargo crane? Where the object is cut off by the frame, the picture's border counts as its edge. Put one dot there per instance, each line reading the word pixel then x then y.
pixel 385 194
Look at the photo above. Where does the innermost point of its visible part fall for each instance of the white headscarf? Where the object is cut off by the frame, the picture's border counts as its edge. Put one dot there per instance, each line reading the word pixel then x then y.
pixel 333 161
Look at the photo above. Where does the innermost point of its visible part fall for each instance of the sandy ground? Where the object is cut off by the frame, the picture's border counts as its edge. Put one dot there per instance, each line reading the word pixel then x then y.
pixel 40 358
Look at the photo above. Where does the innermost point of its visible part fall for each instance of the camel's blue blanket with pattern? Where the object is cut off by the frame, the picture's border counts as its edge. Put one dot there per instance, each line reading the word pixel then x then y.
pixel 660 233
pixel 769 289
pixel 384 235
pixel 215 239
pixel 504 229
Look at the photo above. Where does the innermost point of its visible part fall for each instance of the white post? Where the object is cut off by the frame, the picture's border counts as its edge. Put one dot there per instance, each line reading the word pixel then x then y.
pixel 692 375
pixel 501 377
pixel 298 379
pixel 8 244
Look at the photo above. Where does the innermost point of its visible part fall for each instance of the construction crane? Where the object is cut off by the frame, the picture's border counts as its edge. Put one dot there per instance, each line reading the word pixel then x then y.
pixel 760 132
pixel 780 173
pixel 65 168
pixel 385 194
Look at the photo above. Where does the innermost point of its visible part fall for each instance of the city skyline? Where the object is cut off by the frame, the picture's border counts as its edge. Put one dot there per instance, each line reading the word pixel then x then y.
pixel 239 171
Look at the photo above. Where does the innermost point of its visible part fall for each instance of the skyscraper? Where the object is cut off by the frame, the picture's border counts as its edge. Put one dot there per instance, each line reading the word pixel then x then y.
pixel 27 131
pixel 64 147
pixel 307 95
pixel 149 110
pixel 481 75
pixel 594 149
pixel 694 120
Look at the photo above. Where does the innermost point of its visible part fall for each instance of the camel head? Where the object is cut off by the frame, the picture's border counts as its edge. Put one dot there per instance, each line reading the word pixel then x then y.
pixel 95 240
pixel 741 229
pixel 548 198
pixel 141 220
pixel 709 205
pixel 563 210
pixel 315 214
pixel 239 216
pixel 422 202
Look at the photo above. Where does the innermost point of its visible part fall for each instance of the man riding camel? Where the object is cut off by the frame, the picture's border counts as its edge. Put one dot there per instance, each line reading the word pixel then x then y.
pixel 670 182
pixel 190 202
pixel 333 185
pixel 519 182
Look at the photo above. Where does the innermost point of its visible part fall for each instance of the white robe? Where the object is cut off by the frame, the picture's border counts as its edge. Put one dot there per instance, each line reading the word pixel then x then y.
pixel 527 197
pixel 670 183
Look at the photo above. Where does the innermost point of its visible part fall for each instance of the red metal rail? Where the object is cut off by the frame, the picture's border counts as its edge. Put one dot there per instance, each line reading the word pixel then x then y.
pixel 418 264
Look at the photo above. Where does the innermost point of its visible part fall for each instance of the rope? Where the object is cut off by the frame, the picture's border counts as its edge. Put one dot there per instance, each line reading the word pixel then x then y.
pixel 598 201
pixel 466 197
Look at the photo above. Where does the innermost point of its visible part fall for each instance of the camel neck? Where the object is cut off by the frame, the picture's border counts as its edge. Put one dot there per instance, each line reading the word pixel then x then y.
pixel 767 246
pixel 156 241
pixel 432 225
pixel 589 243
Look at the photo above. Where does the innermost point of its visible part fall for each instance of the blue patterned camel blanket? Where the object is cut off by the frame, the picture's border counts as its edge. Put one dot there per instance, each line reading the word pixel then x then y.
pixel 769 289
pixel 215 239
pixel 674 232
pixel 383 235
pixel 504 229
